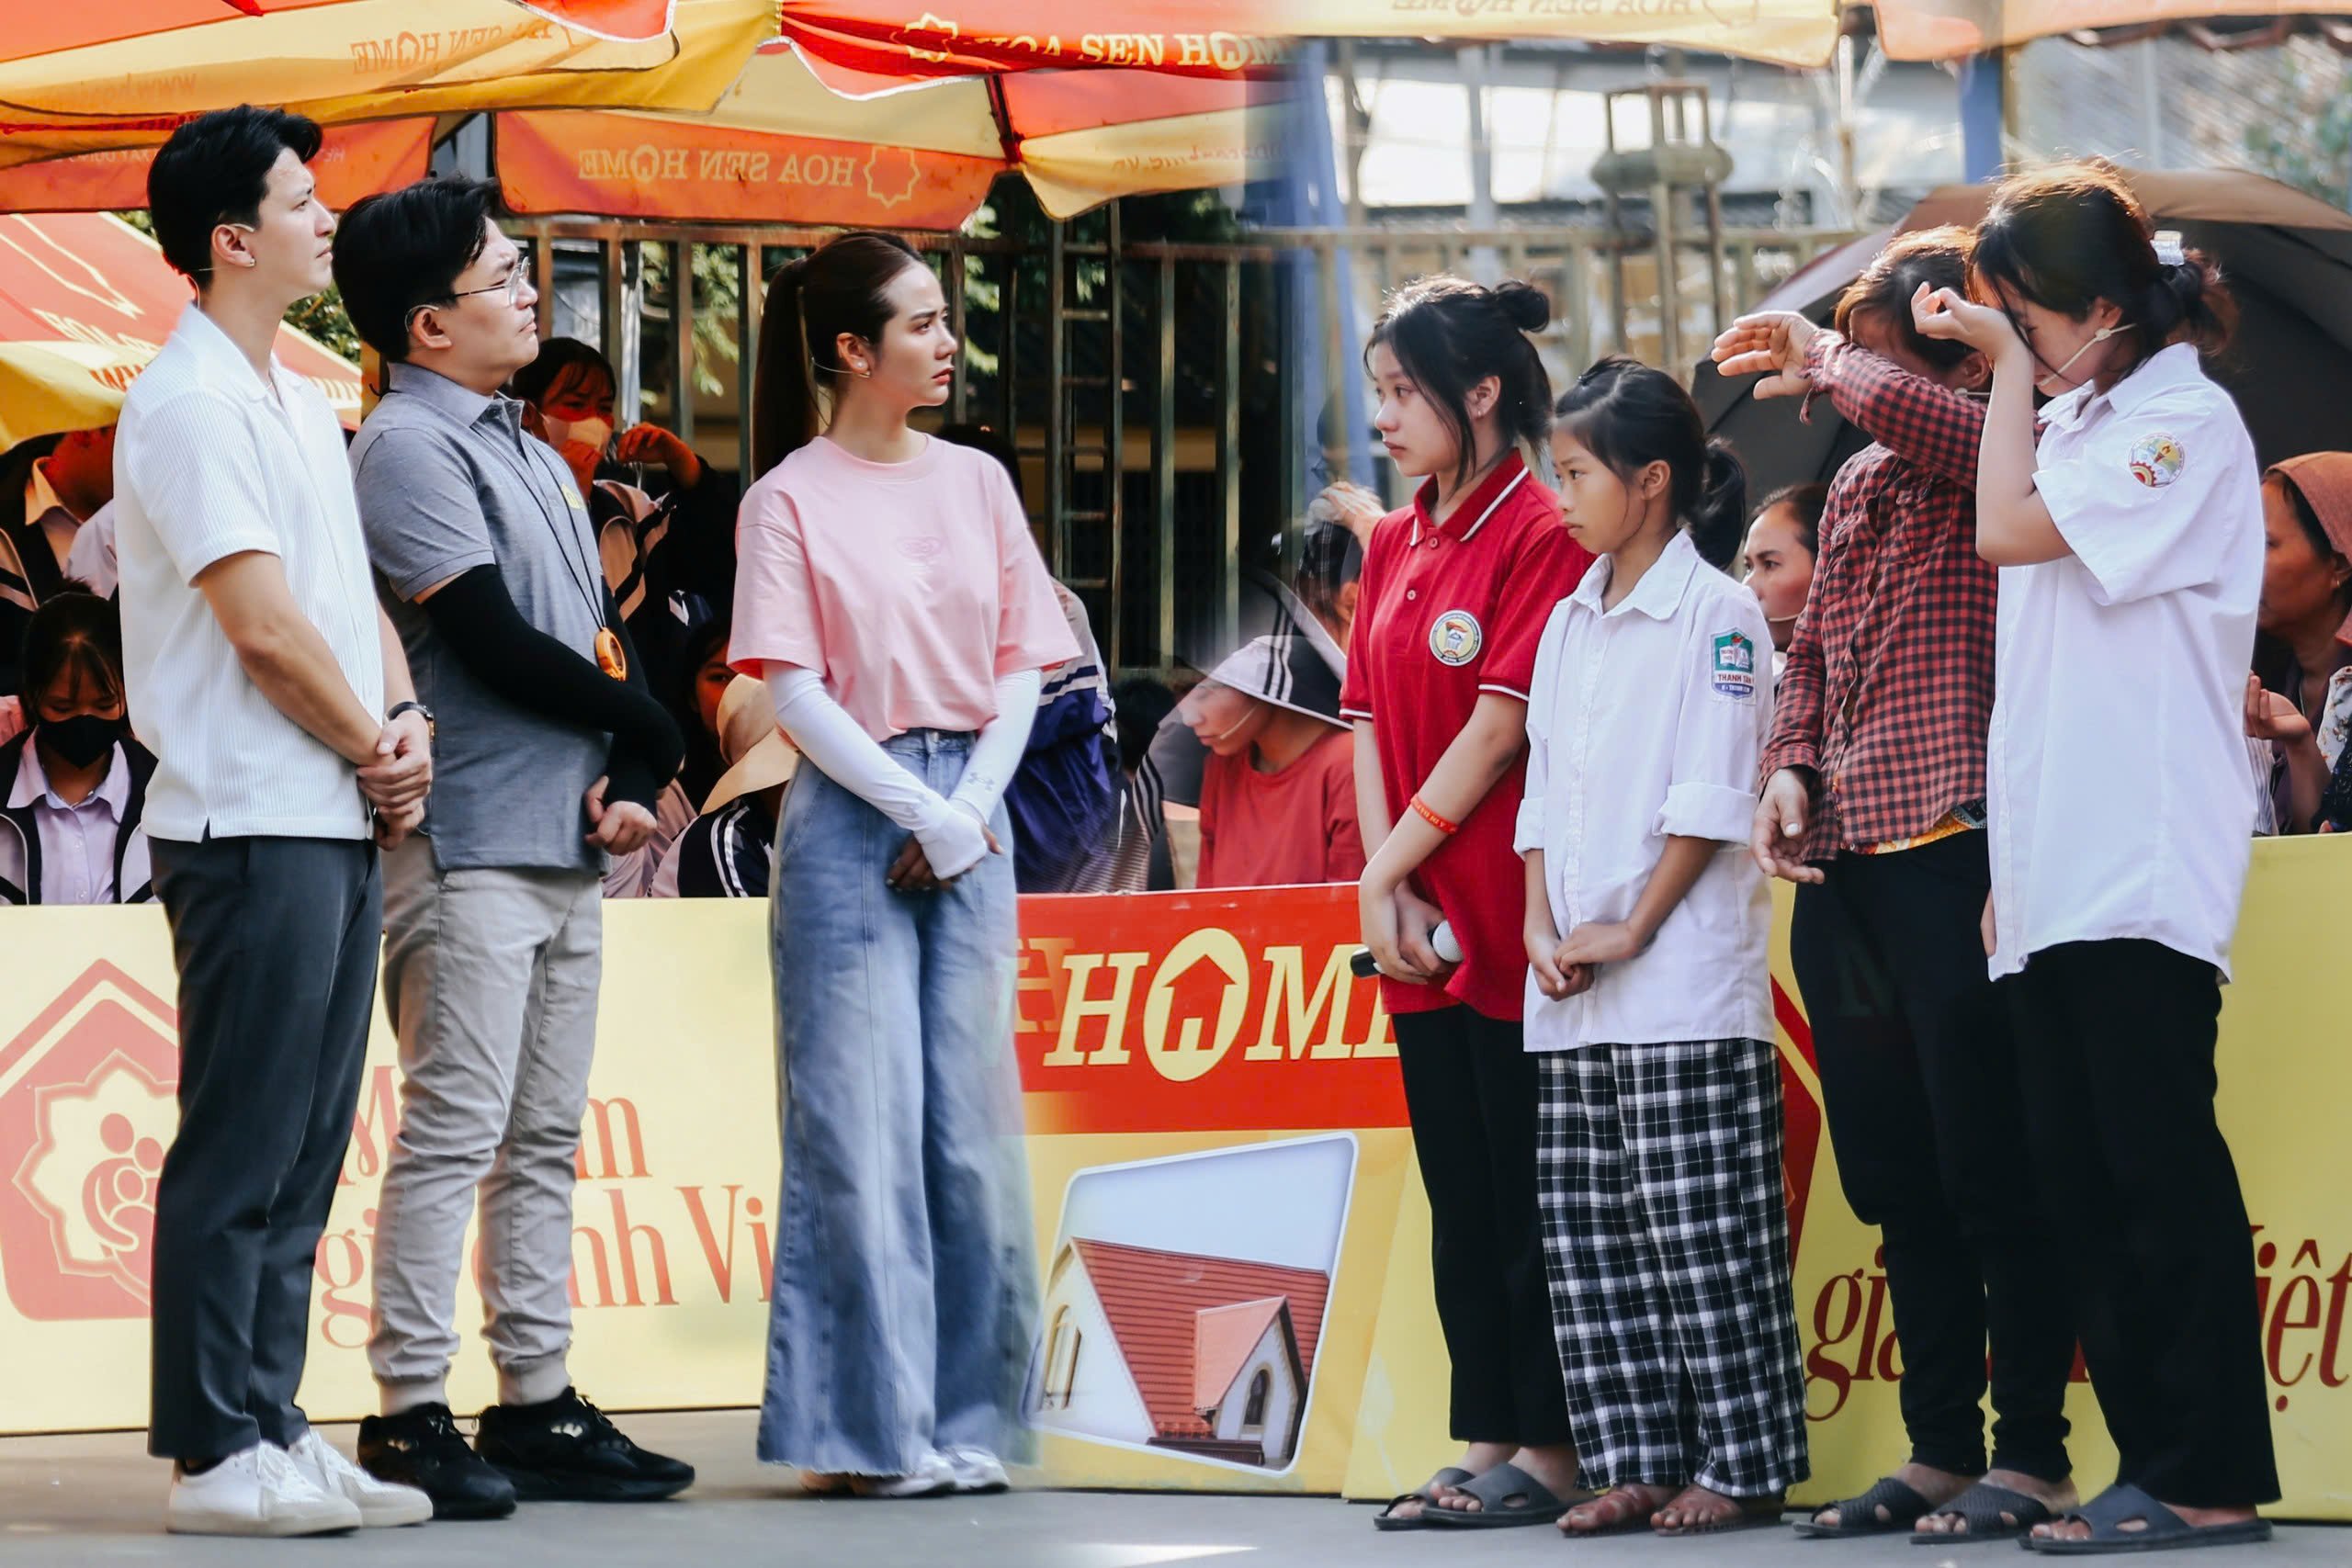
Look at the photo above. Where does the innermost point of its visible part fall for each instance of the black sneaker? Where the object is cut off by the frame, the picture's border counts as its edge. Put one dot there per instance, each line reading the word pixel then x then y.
pixel 567 1452
pixel 422 1448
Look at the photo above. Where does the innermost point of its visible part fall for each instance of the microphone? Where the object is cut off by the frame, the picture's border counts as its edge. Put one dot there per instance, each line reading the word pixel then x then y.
pixel 1441 942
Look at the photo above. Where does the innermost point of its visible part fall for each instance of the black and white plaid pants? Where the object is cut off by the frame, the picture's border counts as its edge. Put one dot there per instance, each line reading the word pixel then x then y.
pixel 1666 1243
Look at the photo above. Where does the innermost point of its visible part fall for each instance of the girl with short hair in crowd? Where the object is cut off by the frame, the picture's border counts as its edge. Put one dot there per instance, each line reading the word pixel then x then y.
pixel 1874 806
pixel 73 788
pixel 1456 588
pixel 890 596
pixel 2130 540
pixel 1649 1001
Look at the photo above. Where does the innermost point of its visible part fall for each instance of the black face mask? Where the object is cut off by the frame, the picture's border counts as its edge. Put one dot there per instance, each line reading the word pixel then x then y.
pixel 81 740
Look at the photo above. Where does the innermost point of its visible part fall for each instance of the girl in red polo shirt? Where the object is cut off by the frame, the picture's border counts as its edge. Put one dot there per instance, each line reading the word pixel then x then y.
pixel 1457 588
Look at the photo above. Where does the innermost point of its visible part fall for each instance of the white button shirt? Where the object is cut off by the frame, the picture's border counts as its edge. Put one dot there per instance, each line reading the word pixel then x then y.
pixel 1647 721
pixel 209 462
pixel 2116 776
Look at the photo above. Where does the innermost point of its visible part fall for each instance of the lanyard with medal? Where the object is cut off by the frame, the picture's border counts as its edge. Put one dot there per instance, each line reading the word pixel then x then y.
pixel 611 657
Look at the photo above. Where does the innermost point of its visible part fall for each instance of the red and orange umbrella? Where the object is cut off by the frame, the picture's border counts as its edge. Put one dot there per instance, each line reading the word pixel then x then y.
pixel 120 73
pixel 85 301
pixel 847 39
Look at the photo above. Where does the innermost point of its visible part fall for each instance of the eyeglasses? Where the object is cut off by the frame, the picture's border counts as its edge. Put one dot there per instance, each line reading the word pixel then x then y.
pixel 513 286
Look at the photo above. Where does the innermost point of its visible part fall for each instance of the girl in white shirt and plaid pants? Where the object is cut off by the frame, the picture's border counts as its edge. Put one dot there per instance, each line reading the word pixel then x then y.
pixel 1665 1224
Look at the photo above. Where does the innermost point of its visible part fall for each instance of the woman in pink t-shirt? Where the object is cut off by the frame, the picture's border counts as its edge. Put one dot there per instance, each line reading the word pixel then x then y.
pixel 890 594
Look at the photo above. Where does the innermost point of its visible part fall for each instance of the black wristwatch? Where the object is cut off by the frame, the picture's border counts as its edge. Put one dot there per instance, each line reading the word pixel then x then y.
pixel 431 731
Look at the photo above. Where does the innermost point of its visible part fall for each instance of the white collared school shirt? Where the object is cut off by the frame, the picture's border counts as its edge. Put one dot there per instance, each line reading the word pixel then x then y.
pixel 1647 721
pixel 209 461
pixel 2116 778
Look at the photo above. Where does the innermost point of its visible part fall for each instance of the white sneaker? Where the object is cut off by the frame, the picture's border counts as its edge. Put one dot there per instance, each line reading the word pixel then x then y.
pixel 380 1503
pixel 258 1492
pixel 934 1477
pixel 976 1470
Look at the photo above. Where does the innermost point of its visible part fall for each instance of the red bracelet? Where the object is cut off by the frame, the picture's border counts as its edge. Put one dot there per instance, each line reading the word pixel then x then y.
pixel 1434 821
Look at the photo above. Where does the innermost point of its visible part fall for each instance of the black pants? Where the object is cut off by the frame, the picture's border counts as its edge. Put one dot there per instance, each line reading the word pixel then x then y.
pixel 1471 1090
pixel 1919 1077
pixel 276 941
pixel 2117 1043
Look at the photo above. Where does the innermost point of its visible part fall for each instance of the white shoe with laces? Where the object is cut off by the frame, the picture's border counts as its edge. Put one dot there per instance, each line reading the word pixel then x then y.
pixel 381 1504
pixel 934 1477
pixel 976 1470
pixel 260 1492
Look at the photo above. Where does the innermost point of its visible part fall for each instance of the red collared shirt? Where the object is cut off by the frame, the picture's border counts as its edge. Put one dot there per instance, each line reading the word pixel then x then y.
pixel 1888 691
pixel 1454 609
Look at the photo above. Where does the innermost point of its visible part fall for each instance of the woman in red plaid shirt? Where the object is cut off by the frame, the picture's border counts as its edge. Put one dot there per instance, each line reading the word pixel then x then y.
pixel 1874 806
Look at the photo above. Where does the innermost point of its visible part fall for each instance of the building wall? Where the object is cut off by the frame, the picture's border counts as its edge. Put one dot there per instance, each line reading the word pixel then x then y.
pixel 1283 1397
pixel 1103 1402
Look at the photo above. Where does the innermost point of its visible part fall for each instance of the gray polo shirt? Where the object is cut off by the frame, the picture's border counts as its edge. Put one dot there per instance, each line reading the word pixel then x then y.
pixel 448 481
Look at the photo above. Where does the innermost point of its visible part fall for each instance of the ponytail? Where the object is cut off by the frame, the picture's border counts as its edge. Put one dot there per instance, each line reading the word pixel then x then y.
pixel 1629 415
pixel 839 289
pixel 784 401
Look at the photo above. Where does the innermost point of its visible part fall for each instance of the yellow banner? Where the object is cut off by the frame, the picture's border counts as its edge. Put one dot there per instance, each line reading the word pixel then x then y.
pixel 1227 1304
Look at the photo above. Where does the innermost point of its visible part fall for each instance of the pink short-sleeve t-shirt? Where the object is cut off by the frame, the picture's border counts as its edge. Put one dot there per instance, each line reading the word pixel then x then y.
pixel 910 587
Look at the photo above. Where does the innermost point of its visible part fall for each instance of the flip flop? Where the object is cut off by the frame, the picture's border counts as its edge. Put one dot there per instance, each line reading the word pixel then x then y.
pixel 1981 1507
pixel 2161 1528
pixel 1508 1498
pixel 1753 1513
pixel 1388 1519
pixel 1859 1516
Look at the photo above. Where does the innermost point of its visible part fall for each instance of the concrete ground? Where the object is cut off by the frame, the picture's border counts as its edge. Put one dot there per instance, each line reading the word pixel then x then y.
pixel 98 1500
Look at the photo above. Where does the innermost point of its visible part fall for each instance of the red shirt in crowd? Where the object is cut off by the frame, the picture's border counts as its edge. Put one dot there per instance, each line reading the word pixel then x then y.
pixel 1280 830
pixel 1888 691
pixel 1453 611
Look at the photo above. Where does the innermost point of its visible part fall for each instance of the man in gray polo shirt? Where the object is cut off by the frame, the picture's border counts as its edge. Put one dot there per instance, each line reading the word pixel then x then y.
pixel 550 751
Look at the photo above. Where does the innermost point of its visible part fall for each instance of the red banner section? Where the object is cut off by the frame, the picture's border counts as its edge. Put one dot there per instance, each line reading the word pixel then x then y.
pixel 869 38
pixel 355 161
pixel 625 165
pixel 1208 1013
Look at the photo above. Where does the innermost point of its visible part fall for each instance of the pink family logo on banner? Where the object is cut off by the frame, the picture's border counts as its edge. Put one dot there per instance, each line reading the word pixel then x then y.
pixel 86 1110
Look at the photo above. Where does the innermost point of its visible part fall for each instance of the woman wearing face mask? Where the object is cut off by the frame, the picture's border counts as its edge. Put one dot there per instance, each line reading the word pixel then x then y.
pixel 669 557
pixel 1874 806
pixel 892 600
pixel 2129 532
pixel 1456 587
pixel 76 782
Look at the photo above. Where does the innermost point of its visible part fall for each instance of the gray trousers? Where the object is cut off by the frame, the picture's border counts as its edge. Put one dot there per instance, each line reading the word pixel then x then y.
pixel 275 941
pixel 490 982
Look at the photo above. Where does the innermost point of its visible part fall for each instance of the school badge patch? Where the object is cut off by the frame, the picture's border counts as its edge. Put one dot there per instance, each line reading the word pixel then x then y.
pixel 2156 460
pixel 1734 666
pixel 1455 638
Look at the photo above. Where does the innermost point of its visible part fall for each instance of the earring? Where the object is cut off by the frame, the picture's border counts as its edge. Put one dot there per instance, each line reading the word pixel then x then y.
pixel 862 368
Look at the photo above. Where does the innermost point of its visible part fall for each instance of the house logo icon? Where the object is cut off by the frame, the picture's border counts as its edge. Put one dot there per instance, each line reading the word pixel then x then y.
pixel 87 1106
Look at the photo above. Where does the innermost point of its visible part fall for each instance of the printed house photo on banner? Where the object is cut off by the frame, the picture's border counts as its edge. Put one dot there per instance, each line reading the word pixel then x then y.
pixel 1185 1299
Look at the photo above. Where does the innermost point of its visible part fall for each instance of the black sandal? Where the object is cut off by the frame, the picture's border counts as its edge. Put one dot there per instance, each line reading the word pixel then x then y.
pixel 1508 1498
pixel 1389 1519
pixel 1859 1516
pixel 1980 1508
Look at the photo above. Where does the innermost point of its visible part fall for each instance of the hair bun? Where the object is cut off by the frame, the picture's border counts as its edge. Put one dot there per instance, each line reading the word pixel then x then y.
pixel 1529 308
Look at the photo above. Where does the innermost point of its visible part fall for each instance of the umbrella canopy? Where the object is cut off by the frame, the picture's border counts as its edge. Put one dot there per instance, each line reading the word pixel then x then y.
pixel 849 40
pixel 121 73
pixel 85 301
pixel 781 148
pixel 353 161
pixel 1948 30
pixel 1786 32
pixel 2287 258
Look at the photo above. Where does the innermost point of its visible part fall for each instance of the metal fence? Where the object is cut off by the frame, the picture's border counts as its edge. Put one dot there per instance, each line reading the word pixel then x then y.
pixel 1121 373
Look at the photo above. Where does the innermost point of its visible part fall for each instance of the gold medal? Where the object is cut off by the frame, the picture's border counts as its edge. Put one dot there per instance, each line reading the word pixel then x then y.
pixel 609 657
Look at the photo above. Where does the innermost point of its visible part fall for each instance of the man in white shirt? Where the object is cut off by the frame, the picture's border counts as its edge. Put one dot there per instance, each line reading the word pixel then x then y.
pixel 288 748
